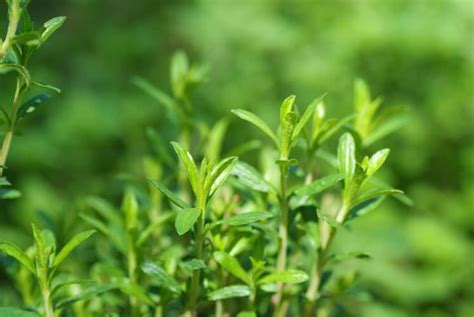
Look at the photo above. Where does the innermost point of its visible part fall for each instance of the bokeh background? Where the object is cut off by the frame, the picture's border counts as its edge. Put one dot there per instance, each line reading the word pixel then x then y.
pixel 90 139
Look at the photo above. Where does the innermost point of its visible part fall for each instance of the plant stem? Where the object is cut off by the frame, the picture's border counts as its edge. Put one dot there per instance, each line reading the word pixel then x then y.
pixel 14 18
pixel 45 292
pixel 282 238
pixel 7 140
pixel 327 234
pixel 132 273
pixel 194 293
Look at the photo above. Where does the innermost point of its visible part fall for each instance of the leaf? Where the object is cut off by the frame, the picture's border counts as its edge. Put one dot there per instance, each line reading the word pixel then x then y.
pixel 178 73
pixel 220 173
pixel 251 178
pixel 189 165
pixel 130 209
pixel 305 117
pixel 246 218
pixel 145 233
pixel 8 193
pixel 376 161
pixel 169 194
pixel 71 245
pixel 186 219
pixel 351 255
pixel 15 312
pixel 161 276
pixel 259 123
pixel 346 157
pixel 230 292
pixel 287 129
pixel 330 220
pixel 192 265
pixel 31 105
pixel 247 314
pixel 43 85
pixel 5 68
pixel 286 108
pixel 85 294
pixel 374 194
pixel 134 290
pixel 289 277
pixel 14 251
pixel 364 208
pixel 215 139
pixel 51 26
pixel 319 185
pixel 156 94
pixel 232 265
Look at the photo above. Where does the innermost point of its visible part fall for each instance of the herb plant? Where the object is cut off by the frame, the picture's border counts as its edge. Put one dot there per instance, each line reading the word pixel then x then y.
pixel 249 238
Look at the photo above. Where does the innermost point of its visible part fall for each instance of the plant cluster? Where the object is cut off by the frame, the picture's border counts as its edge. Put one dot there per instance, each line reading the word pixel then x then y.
pixel 249 238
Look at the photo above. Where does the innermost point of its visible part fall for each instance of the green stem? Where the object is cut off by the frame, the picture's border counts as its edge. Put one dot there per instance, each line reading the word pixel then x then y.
pixel 7 140
pixel 46 293
pixel 14 18
pixel 327 234
pixel 132 273
pixel 194 293
pixel 282 238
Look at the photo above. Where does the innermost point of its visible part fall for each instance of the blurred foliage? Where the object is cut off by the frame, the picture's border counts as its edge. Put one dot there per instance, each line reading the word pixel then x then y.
pixel 91 139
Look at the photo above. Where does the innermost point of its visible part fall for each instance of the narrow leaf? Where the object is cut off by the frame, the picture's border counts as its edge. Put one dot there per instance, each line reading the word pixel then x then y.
pixel 161 276
pixel 319 185
pixel 189 165
pixel 5 68
pixel 51 26
pixel 251 178
pixel 246 218
pixel 169 194
pixel 374 194
pixel 15 312
pixel 259 123
pixel 220 173
pixel 346 157
pixel 31 105
pixel 14 251
pixel 230 292
pixel 186 219
pixel 71 245
pixel 289 277
pixel 232 265
pixel 376 161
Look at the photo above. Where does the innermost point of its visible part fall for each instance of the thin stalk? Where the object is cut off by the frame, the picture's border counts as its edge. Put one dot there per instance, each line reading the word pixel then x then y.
pixel 194 293
pixel 7 140
pixel 282 238
pixel 46 293
pixel 327 234
pixel 132 274
pixel 14 18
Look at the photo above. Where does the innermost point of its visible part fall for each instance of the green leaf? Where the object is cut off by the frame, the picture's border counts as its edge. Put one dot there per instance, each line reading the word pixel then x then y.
pixel 31 105
pixel 230 292
pixel 8 193
pixel 189 165
pixel 71 245
pixel 178 73
pixel 251 178
pixel 215 140
pixel 161 276
pixel 350 255
pixel 346 157
pixel 232 265
pixel 219 174
pixel 330 220
pixel 51 26
pixel 286 108
pixel 374 194
pixel 376 161
pixel 247 314
pixel 14 251
pixel 169 194
pixel 259 123
pixel 364 208
pixel 31 38
pixel 15 312
pixel 286 135
pixel 43 85
pixel 186 219
pixel 289 277
pixel 146 233
pixel 319 185
pixel 306 116
pixel 130 209
pixel 192 265
pixel 5 68
pixel 246 218
pixel 85 294
pixel 134 290
pixel 156 94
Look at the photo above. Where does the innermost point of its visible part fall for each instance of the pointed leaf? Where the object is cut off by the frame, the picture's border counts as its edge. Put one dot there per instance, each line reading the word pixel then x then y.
pixel 130 209
pixel 92 291
pixel 374 194
pixel 161 276
pixel 230 292
pixel 189 165
pixel 169 194
pixel 259 123
pixel 51 26
pixel 232 265
pixel 319 185
pixel 376 161
pixel 306 116
pixel 220 173
pixel 14 251
pixel 186 219
pixel 43 85
pixel 15 312
pixel 289 277
pixel 246 218
pixel 346 157
pixel 71 245
pixel 5 68
pixel 162 98
pixel 285 108
pixel 31 105
pixel 251 178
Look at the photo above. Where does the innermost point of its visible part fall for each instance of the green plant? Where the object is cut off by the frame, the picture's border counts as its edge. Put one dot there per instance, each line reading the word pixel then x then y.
pixel 21 41
pixel 42 263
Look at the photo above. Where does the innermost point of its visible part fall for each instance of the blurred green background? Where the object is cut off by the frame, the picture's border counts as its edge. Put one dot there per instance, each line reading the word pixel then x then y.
pixel 418 54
